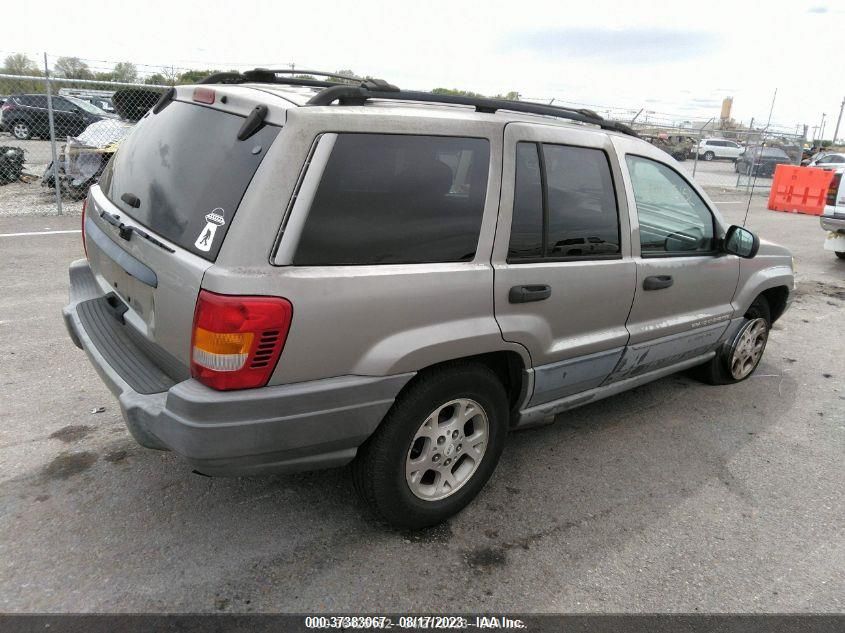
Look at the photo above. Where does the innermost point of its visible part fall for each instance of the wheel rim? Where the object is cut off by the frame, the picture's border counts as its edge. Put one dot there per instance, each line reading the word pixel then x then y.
pixel 447 449
pixel 749 348
pixel 20 130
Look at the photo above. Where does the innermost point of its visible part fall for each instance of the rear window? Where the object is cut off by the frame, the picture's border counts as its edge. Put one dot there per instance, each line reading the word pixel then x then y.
pixel 397 199
pixel 189 172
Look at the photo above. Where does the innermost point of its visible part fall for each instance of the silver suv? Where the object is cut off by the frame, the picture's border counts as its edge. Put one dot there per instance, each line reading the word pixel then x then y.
pixel 287 274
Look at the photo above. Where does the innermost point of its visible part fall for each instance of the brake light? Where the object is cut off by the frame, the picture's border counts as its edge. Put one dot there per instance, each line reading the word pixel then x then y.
pixel 203 95
pixel 237 341
pixel 833 189
pixel 84 245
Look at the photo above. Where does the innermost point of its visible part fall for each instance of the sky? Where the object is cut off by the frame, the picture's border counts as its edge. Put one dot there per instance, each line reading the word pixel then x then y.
pixel 676 60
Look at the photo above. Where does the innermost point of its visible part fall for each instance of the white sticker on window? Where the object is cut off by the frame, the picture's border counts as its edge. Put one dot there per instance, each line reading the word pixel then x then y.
pixel 206 237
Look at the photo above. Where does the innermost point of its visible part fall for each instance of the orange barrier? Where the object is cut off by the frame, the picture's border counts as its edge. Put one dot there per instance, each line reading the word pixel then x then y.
pixel 799 189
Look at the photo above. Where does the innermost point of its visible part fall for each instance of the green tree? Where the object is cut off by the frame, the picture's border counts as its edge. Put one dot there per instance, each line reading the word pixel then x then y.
pixel 125 72
pixel 457 93
pixel 20 64
pixel 513 95
pixel 195 76
pixel 156 78
pixel 346 73
pixel 72 68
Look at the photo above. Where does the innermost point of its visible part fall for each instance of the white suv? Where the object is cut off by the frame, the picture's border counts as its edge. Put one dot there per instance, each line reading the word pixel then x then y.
pixel 711 148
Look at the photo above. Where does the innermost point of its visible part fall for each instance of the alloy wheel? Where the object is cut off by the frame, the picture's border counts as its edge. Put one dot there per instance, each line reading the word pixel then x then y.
pixel 447 449
pixel 749 348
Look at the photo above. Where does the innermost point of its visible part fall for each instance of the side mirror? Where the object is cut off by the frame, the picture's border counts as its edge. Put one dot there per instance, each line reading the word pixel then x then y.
pixel 741 242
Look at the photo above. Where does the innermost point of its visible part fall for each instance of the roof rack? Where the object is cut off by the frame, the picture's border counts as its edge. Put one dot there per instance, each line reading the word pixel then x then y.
pixel 377 89
pixel 270 76
pixel 346 94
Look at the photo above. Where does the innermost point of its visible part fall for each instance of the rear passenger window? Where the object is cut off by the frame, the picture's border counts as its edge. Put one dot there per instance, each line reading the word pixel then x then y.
pixel 564 204
pixel 527 224
pixel 397 199
pixel 583 219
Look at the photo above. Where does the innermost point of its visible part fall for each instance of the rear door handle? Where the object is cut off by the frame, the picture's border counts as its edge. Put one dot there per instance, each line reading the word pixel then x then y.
pixel 526 294
pixel 658 282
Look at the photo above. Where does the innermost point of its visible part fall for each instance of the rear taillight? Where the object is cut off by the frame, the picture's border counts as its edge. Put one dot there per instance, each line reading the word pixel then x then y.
pixel 84 245
pixel 237 341
pixel 833 189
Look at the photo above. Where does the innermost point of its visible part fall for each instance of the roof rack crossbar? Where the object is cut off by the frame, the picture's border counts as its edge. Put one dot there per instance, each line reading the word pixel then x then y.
pixel 358 95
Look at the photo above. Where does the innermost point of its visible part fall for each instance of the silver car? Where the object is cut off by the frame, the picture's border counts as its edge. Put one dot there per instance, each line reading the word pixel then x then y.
pixel 286 274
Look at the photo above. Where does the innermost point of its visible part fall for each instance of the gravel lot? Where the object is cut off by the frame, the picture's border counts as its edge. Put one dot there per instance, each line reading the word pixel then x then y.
pixel 676 496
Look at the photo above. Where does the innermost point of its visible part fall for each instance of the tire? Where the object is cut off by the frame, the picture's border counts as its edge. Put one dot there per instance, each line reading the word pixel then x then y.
pixel 709 155
pixel 383 472
pixel 21 130
pixel 720 370
pixel 840 254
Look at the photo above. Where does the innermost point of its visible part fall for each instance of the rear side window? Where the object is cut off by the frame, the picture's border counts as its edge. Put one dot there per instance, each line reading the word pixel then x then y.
pixel 189 172
pixel 397 199
pixel 564 204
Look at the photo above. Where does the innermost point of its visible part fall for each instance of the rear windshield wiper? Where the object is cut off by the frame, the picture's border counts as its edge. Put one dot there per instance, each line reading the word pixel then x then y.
pixel 126 231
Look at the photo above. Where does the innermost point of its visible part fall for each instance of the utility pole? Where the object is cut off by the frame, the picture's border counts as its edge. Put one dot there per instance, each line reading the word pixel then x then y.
pixel 838 121
pixel 821 129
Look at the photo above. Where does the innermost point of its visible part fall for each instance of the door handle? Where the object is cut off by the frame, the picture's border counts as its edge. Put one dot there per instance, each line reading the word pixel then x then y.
pixel 658 282
pixel 526 294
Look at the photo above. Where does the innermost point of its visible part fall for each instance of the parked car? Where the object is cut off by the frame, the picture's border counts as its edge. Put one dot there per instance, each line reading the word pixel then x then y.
pixel 830 160
pixel 25 116
pixel 833 217
pixel 761 161
pixel 713 148
pixel 293 274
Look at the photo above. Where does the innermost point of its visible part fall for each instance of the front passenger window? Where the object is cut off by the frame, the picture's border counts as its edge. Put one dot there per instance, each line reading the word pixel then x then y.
pixel 673 218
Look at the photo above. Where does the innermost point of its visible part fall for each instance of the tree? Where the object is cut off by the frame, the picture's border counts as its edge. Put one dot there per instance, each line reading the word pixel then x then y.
pixel 457 93
pixel 20 64
pixel 72 68
pixel 513 95
pixel 195 76
pixel 125 72
pixel 156 78
pixel 346 73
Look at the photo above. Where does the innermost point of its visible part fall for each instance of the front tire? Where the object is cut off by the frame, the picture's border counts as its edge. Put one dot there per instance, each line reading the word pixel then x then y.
pixel 840 254
pixel 709 155
pixel 436 448
pixel 738 359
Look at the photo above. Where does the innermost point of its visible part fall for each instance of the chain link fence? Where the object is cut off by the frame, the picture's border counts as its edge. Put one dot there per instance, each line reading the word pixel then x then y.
pixel 57 134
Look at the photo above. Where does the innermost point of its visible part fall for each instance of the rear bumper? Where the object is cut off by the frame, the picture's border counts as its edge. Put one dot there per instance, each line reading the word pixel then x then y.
pixel 301 426
pixel 829 223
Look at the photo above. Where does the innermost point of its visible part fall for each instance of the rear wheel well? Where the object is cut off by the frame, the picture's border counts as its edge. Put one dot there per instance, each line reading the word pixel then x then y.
pixel 507 366
pixel 776 298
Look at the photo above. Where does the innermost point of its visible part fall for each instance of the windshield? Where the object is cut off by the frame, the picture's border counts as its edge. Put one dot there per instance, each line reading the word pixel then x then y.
pixel 84 105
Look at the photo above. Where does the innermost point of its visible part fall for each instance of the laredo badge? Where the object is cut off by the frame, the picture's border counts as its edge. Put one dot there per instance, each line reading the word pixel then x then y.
pixel 206 237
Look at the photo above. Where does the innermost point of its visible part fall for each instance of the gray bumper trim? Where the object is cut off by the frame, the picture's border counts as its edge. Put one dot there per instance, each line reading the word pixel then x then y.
pixel 836 224
pixel 301 426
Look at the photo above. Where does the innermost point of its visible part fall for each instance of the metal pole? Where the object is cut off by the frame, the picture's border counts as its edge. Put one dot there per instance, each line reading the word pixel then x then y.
pixel 698 146
pixel 56 183
pixel 838 121
pixel 821 129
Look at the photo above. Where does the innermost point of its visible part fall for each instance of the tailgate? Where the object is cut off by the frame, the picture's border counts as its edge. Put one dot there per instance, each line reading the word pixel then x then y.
pixel 164 204
pixel 158 283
